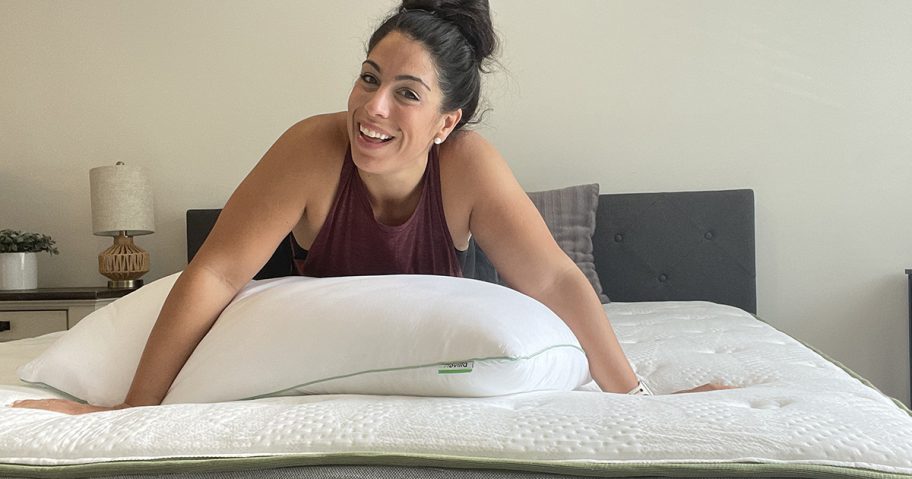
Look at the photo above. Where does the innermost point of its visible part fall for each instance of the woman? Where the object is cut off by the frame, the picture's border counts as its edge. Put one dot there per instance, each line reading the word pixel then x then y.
pixel 393 185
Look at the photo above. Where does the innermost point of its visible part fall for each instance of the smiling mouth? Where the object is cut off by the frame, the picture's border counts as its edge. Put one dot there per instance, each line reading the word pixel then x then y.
pixel 373 136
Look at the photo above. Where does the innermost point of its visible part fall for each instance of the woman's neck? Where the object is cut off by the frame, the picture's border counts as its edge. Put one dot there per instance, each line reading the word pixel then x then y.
pixel 394 196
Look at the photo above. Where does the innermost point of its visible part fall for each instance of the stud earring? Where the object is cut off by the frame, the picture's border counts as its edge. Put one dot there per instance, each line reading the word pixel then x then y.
pixel 437 141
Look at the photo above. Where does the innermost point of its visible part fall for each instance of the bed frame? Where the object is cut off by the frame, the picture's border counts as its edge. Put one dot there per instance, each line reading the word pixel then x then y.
pixel 680 246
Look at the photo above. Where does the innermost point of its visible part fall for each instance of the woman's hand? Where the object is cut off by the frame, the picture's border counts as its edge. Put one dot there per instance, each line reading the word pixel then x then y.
pixel 64 406
pixel 705 388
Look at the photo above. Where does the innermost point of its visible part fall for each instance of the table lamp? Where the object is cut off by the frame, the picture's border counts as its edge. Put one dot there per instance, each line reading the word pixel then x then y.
pixel 122 208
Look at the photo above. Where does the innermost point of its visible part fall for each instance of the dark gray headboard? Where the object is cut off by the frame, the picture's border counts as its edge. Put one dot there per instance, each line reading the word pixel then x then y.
pixel 679 246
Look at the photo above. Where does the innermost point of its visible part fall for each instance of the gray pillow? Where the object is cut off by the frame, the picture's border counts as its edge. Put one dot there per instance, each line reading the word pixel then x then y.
pixel 570 215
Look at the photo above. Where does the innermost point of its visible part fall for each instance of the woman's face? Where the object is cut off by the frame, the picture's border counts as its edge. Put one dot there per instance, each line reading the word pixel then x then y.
pixel 394 107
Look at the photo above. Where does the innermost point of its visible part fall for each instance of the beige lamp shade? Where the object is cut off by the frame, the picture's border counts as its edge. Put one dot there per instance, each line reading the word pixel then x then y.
pixel 121 200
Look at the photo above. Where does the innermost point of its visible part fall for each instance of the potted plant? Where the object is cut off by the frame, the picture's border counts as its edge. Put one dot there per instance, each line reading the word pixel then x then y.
pixel 18 261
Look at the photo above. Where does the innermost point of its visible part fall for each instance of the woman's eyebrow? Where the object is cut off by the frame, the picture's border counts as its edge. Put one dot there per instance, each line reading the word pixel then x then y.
pixel 399 77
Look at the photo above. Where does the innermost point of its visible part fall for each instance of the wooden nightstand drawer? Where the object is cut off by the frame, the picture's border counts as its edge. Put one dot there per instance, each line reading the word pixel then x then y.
pixel 33 312
pixel 27 324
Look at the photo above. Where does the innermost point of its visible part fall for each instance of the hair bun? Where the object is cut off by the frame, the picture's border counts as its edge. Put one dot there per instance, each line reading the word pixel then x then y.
pixel 472 17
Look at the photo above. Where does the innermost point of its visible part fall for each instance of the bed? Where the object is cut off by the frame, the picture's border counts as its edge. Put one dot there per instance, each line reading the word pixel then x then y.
pixel 679 269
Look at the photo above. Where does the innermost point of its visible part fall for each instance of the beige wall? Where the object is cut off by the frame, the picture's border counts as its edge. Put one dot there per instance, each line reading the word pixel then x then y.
pixel 807 102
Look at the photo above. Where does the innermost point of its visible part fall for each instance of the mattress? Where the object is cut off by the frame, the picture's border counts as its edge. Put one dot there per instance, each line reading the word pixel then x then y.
pixel 794 413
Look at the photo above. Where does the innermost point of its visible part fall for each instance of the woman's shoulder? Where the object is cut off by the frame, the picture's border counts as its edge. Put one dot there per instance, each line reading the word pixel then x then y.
pixel 309 152
pixel 326 123
pixel 472 172
pixel 467 143
pixel 468 156
pixel 319 132
pixel 312 147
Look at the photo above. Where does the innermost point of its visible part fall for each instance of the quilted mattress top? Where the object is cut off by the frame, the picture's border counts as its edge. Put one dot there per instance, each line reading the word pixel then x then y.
pixel 791 406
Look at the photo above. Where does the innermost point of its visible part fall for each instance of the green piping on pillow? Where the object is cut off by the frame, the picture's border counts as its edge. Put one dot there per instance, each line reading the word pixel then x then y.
pixel 429 365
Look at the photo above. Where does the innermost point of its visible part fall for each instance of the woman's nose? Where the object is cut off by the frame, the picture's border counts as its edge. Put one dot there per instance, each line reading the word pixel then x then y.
pixel 378 104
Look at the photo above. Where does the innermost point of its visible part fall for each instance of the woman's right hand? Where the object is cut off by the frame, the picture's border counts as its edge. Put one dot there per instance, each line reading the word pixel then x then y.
pixel 64 406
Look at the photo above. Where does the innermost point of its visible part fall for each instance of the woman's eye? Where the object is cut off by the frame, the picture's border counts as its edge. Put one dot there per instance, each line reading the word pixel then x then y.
pixel 368 78
pixel 410 95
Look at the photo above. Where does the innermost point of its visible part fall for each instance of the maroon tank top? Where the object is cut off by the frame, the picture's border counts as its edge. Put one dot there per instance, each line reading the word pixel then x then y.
pixel 352 242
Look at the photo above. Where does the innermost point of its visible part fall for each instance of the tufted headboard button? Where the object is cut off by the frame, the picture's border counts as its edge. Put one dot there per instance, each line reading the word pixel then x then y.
pixel 618 238
pixel 708 235
pixel 663 277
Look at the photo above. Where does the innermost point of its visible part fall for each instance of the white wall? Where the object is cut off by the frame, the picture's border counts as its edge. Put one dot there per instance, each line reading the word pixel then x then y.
pixel 807 102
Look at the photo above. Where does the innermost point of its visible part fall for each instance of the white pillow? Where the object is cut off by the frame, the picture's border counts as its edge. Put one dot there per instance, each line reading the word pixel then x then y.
pixel 96 359
pixel 398 334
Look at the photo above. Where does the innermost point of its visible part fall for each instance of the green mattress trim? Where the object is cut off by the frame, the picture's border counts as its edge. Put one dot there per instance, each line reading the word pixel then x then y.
pixel 575 468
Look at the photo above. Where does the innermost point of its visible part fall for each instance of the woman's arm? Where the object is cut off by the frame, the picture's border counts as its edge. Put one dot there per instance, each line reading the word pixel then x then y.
pixel 512 233
pixel 257 217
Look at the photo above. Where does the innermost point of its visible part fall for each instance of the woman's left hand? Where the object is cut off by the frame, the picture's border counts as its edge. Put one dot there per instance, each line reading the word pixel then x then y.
pixel 705 388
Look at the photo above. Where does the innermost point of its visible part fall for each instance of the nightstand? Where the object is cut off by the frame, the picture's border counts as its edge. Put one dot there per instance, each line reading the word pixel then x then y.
pixel 32 312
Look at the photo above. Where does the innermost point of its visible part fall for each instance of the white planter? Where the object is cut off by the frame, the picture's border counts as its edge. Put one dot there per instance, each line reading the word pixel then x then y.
pixel 18 270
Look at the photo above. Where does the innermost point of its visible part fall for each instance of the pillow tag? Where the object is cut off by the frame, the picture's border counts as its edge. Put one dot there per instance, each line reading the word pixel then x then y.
pixel 456 368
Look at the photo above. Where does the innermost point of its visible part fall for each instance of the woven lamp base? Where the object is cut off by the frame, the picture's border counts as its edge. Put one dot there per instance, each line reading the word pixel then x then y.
pixel 123 263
